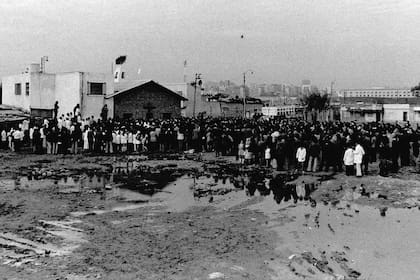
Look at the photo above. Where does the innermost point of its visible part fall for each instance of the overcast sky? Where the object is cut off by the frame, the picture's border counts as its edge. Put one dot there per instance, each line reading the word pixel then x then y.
pixel 357 43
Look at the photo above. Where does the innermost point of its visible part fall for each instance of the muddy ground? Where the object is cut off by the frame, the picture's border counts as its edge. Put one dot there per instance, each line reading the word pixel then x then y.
pixel 201 217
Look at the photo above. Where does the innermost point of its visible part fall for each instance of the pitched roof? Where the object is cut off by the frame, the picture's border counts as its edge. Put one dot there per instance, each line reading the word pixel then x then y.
pixel 144 84
pixel 12 114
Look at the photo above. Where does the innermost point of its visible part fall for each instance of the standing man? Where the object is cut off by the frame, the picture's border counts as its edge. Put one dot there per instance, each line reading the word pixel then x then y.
pixel 104 113
pixel 301 157
pixel 359 152
pixel 56 110
pixel 349 160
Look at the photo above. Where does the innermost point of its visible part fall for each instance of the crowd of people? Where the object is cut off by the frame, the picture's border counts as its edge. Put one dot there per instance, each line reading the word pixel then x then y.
pixel 285 144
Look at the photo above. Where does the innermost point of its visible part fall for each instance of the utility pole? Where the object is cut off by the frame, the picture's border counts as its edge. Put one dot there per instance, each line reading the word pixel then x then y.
pixel 43 60
pixel 244 74
pixel 197 80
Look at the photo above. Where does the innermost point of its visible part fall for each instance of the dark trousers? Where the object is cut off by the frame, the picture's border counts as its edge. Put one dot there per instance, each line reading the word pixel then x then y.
pixel 349 170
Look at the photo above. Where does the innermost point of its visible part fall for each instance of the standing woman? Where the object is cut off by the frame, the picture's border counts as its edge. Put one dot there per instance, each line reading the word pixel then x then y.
pixel 118 141
pixel 85 140
pixel 359 152
pixel 130 142
pixel 124 141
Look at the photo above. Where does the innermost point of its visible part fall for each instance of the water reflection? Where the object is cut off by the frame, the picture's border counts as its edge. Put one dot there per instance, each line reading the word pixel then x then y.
pixel 132 181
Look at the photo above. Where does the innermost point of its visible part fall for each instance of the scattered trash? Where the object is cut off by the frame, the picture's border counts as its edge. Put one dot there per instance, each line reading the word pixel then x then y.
pixel 382 211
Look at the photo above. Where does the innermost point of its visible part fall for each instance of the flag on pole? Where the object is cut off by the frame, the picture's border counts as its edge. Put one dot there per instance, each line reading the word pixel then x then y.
pixel 119 74
pixel 120 60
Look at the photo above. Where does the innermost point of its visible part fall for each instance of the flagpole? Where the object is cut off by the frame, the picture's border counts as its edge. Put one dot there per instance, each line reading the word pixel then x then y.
pixel 185 71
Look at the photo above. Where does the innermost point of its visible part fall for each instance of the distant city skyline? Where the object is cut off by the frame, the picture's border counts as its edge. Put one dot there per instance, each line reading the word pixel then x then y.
pixel 357 44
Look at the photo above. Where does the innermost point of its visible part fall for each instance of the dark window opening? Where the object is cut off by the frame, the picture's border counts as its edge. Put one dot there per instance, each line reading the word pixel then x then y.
pixel 27 88
pixel 18 89
pixel 127 116
pixel 96 88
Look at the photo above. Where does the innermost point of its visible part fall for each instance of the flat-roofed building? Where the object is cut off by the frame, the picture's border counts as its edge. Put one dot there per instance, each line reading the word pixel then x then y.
pixel 379 93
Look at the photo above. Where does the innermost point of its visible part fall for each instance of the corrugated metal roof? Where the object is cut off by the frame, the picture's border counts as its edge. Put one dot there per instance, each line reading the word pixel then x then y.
pixel 12 114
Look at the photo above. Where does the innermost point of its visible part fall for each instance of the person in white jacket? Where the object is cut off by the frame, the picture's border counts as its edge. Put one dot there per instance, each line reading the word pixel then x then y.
pixel 301 157
pixel 349 160
pixel 359 152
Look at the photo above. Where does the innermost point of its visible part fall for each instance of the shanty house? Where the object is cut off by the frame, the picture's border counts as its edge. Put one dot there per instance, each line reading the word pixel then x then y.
pixel 146 100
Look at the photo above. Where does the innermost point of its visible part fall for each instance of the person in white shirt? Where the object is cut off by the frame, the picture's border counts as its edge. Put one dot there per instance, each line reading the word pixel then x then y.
pixel 136 141
pixel 3 139
pixel 124 139
pixel 86 140
pixel 359 152
pixel 31 137
pixel 67 123
pixel 17 139
pixel 267 156
pixel 118 141
pixel 43 138
pixel 180 138
pixel 130 142
pixel 301 157
pixel 348 160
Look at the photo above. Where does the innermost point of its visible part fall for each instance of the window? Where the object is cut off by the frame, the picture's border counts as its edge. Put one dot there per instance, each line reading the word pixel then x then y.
pixel 127 116
pixel 27 88
pixel 18 89
pixel 96 88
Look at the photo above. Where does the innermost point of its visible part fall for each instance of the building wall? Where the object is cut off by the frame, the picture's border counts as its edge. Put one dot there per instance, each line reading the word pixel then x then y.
pixel 133 102
pixel 415 114
pixel 92 104
pixel 237 109
pixel 285 110
pixel 356 116
pixel 395 112
pixel 8 87
pixel 187 91
pixel 67 91
pixel 384 93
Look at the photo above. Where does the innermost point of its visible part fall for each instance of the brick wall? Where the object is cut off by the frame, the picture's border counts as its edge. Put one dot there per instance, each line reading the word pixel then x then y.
pixel 133 102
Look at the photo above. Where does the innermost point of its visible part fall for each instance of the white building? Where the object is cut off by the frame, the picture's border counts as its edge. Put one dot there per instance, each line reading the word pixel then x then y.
pixel 379 93
pixel 36 91
pixel 396 112
pixel 289 111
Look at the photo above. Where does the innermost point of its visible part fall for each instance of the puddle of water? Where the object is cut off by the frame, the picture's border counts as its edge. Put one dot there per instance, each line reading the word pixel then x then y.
pixel 222 192
pixel 380 247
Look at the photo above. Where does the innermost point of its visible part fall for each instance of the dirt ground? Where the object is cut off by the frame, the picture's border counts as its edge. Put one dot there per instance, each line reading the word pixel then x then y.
pixel 201 217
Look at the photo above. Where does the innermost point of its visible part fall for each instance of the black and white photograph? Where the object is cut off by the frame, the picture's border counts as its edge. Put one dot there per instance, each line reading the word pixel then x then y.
pixel 209 140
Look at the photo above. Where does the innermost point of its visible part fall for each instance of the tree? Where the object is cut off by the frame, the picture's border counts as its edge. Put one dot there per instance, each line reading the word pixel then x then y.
pixel 316 103
pixel 416 89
